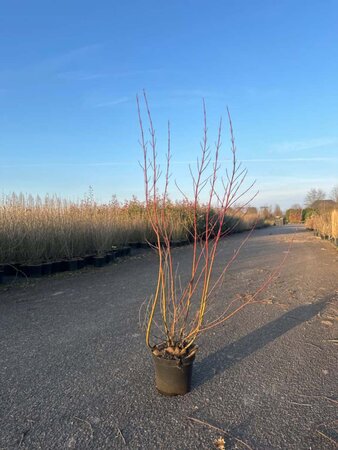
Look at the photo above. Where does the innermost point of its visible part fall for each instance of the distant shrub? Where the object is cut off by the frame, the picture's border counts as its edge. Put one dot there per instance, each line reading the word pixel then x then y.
pixel 307 213
pixel 326 223
pixel 293 215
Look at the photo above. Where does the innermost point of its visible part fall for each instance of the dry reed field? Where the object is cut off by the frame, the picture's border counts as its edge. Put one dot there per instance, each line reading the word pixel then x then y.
pixel 34 230
pixel 325 223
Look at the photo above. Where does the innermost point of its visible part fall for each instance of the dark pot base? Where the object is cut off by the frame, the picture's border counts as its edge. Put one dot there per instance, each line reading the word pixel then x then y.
pixel 172 377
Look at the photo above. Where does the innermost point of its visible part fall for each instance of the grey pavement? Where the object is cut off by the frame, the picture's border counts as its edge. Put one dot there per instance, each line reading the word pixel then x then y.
pixel 75 372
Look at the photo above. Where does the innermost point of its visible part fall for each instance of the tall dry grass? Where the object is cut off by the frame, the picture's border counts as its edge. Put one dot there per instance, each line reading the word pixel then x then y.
pixel 34 229
pixel 335 224
pixel 325 223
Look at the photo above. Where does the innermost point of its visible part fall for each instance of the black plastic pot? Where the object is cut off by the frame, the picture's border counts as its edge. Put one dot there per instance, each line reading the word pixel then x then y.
pixel 134 244
pixel 56 266
pixel 89 260
pixel 46 268
pixel 69 265
pixel 80 263
pixel 11 269
pixel 173 377
pixel 118 252
pixel 72 264
pixel 126 251
pixel 99 261
pixel 32 270
pixel 110 257
pixel 2 276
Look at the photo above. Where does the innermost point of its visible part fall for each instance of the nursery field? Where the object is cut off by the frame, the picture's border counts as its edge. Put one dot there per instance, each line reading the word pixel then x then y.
pixel 75 372
pixel 44 230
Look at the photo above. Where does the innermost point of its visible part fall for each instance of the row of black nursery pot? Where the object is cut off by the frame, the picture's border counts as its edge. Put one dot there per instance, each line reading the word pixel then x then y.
pixel 70 265
pixel 65 265
pixel 153 244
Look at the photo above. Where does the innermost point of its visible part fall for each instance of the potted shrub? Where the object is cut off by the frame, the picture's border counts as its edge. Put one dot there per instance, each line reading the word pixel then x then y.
pixel 182 313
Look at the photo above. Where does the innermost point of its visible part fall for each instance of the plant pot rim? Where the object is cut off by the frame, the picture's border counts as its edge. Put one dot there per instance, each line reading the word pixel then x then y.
pixel 31 264
pixel 187 361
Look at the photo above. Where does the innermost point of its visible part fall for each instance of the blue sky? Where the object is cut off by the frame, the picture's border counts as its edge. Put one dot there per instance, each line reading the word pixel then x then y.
pixel 70 70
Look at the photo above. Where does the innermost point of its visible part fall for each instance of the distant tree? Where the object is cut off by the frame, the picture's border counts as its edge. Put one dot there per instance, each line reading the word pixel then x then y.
pixel 251 210
pixel 334 193
pixel 277 212
pixel 266 212
pixel 296 206
pixel 314 195
pixel 293 215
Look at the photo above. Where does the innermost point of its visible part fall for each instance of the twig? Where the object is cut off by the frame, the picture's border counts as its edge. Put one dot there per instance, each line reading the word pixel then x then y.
pixel 89 425
pixel 328 437
pixel 319 396
pixel 314 345
pixel 201 422
pixel 119 434
pixel 300 404
pixel 334 341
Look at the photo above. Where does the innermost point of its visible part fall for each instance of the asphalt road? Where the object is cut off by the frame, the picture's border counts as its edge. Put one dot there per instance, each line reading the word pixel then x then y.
pixel 75 373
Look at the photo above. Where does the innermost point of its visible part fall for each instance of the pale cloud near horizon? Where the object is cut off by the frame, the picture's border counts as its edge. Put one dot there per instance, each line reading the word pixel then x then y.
pixel 173 162
pixel 66 164
pixel 304 144
pixel 268 160
pixel 305 159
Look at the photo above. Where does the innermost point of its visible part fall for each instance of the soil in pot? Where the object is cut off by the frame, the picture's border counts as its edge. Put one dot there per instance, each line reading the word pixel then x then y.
pixel 173 376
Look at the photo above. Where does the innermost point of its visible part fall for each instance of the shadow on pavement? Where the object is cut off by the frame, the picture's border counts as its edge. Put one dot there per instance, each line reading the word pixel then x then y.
pixel 234 353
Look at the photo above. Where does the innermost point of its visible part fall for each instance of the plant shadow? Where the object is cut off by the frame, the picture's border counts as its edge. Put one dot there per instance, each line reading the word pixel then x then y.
pixel 234 353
